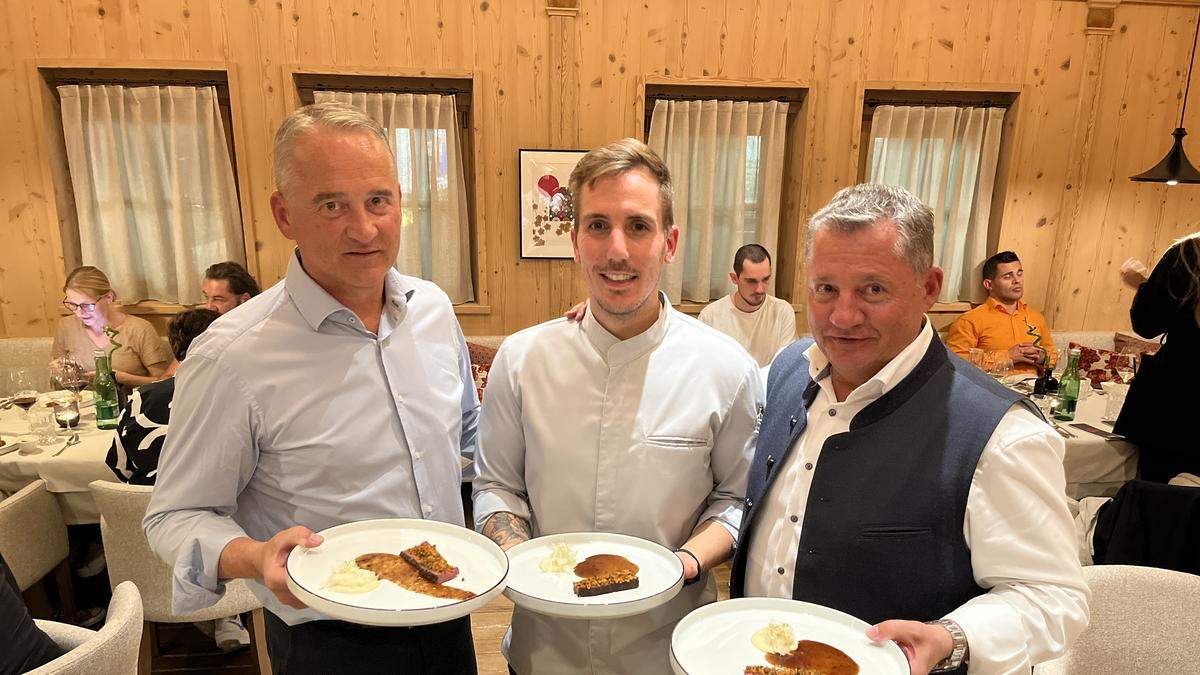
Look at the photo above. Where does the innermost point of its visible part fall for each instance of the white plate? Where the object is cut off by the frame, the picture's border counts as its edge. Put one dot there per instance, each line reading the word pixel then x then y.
pixel 660 576
pixel 716 638
pixel 86 397
pixel 482 569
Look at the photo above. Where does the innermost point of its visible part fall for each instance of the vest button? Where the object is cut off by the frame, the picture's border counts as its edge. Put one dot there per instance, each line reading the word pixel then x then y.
pixel 749 503
pixel 770 461
pixel 795 519
pixel 808 465
pixel 812 551
pixel 780 570
pixel 832 412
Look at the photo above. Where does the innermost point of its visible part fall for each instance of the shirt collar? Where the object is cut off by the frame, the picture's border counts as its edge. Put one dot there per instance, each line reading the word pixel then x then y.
pixel 316 305
pixel 890 375
pixel 616 351
pixel 996 306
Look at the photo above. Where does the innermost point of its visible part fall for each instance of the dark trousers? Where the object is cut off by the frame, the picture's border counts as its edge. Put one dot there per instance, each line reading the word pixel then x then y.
pixel 321 647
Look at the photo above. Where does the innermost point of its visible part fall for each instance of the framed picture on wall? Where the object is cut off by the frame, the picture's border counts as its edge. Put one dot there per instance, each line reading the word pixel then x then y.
pixel 547 209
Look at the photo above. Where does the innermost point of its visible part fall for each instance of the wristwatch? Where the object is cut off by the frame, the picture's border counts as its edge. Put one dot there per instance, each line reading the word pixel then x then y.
pixel 959 654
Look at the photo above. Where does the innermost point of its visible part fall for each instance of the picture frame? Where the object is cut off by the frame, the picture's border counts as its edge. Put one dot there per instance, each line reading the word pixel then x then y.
pixel 546 204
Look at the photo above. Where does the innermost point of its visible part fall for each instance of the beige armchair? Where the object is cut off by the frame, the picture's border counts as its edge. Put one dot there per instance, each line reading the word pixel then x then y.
pixel 33 540
pixel 127 550
pixel 111 650
pixel 1143 621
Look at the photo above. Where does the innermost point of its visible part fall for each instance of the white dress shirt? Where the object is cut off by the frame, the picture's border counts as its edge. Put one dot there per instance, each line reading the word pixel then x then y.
pixel 649 436
pixel 1017 525
pixel 287 411
pixel 762 332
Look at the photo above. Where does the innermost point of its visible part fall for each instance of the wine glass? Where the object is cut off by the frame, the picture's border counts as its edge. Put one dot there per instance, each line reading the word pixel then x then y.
pixel 24 393
pixel 1125 365
pixel 999 365
pixel 67 373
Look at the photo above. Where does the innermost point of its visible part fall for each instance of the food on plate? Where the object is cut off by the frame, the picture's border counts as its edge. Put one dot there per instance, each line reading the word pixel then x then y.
pixel 807 658
pixel 399 571
pixel 429 563
pixel 775 638
pixel 562 559
pixel 605 573
pixel 350 578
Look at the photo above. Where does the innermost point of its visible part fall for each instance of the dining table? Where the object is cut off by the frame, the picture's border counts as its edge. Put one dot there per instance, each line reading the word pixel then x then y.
pixel 67 473
pixel 1096 464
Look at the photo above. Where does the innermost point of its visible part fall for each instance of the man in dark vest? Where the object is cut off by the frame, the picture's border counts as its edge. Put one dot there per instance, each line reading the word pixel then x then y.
pixel 894 481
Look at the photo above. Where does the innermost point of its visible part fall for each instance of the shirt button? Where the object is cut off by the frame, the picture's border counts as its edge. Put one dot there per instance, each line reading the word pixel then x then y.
pixel 795 518
pixel 780 570
pixel 353 320
pixel 428 509
pixel 417 455
pixel 832 412
pixel 808 465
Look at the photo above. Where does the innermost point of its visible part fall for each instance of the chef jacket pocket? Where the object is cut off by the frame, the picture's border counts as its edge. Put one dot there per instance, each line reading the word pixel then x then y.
pixel 682 443
pixel 894 532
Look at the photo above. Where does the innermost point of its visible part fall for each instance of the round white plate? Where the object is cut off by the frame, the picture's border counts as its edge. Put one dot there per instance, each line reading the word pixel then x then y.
pixel 660 576
pixel 482 569
pixel 716 638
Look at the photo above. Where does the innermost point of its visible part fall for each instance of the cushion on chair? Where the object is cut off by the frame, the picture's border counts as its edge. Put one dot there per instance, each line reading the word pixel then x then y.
pixel 112 650
pixel 33 535
pixel 129 557
pixel 483 351
pixel 1141 620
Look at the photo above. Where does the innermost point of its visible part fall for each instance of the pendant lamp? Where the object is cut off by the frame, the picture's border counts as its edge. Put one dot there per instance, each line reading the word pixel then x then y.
pixel 1175 167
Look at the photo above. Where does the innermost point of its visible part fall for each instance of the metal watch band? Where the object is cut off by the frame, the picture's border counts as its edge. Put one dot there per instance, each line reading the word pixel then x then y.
pixel 958 654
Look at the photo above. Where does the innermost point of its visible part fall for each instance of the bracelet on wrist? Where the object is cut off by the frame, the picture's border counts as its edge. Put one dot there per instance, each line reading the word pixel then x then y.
pixel 699 567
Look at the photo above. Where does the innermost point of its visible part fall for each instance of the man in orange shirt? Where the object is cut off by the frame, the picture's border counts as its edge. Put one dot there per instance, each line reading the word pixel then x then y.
pixel 1003 323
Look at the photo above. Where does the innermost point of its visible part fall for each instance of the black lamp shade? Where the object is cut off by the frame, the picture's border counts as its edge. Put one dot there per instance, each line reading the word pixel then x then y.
pixel 1174 168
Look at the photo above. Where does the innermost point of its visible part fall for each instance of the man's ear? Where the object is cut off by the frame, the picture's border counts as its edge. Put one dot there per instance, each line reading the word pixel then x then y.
pixel 279 212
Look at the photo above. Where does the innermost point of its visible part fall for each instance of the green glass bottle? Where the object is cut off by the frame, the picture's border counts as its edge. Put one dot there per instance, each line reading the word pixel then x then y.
pixel 1068 389
pixel 105 386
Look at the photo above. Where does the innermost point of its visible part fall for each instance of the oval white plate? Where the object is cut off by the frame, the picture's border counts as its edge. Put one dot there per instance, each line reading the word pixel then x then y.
pixel 716 638
pixel 482 570
pixel 660 576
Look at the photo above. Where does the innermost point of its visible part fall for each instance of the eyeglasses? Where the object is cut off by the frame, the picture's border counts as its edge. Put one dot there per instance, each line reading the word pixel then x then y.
pixel 85 306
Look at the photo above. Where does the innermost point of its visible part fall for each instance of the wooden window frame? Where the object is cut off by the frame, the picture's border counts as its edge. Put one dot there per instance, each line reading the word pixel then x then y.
pixel 45 75
pixel 463 85
pixel 874 93
pixel 793 198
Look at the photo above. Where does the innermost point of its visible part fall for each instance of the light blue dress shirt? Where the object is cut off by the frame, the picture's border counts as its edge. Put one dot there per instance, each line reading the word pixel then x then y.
pixel 287 411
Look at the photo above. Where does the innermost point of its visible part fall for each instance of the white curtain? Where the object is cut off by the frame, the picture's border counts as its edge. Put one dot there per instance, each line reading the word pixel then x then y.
pixel 726 162
pixel 154 188
pixel 424 132
pixel 947 156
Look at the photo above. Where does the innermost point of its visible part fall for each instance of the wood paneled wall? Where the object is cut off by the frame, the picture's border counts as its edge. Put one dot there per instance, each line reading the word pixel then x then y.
pixel 1096 104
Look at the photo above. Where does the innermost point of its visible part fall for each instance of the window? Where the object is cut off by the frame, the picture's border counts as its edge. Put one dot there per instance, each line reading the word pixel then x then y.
pixel 149 168
pixel 424 120
pixel 727 151
pixel 947 151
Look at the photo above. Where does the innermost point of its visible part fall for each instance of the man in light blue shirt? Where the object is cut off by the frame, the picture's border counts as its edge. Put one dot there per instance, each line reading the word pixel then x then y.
pixel 343 393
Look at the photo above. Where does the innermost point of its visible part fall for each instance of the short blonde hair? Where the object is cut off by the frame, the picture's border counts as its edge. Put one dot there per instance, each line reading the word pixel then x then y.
pixel 88 280
pixel 618 157
pixel 329 115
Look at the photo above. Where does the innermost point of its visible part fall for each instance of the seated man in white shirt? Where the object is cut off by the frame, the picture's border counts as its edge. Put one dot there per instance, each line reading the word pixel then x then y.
pixel 759 321
pixel 637 420
pixel 895 482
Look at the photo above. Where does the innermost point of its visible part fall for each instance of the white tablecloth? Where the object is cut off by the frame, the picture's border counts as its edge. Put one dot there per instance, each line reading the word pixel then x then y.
pixel 66 475
pixel 1096 467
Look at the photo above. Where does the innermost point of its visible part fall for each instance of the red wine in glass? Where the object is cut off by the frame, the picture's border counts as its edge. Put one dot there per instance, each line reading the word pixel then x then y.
pixel 25 402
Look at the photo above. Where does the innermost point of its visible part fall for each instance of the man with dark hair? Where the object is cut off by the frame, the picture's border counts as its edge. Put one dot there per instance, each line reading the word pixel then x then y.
pixel 1004 325
pixel 760 322
pixel 227 285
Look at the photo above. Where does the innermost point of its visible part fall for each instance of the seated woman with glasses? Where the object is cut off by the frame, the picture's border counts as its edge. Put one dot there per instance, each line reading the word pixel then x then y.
pixel 142 357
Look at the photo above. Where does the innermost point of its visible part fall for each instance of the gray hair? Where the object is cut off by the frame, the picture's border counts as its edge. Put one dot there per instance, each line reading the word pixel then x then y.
pixel 329 115
pixel 618 157
pixel 860 206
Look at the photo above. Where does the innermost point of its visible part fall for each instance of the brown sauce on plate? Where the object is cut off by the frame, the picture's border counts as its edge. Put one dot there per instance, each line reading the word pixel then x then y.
pixel 815 657
pixel 398 571
pixel 604 564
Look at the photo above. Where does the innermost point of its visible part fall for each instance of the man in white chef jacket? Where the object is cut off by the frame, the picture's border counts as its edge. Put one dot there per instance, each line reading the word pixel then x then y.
pixel 637 420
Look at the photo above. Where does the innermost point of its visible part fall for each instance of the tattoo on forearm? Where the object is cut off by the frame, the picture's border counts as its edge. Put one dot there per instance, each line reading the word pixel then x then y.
pixel 506 529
